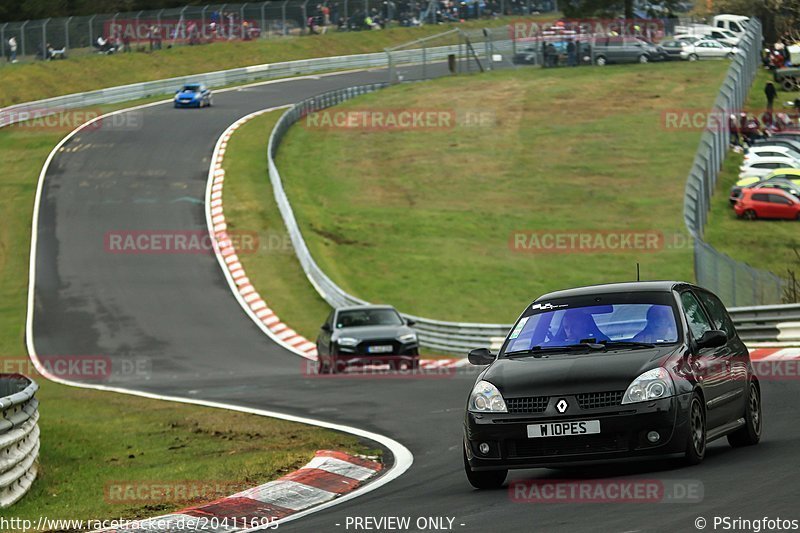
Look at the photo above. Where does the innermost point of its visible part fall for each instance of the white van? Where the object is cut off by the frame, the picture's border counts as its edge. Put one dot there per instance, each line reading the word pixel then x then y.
pixel 736 24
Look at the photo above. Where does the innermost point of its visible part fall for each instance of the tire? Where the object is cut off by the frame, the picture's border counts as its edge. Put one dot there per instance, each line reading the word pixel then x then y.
pixel 491 479
pixel 750 434
pixel 750 215
pixel 693 57
pixel 696 443
pixel 643 59
pixel 600 61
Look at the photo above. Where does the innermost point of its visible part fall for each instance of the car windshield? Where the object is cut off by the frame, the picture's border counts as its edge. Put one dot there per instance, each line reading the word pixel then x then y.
pixel 191 88
pixel 607 323
pixel 357 318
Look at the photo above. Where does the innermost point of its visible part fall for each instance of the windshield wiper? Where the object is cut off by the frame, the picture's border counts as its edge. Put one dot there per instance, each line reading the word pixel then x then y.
pixel 632 344
pixel 537 351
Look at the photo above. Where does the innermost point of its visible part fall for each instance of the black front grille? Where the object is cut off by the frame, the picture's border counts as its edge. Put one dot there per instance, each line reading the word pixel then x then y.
pixel 548 446
pixel 598 400
pixel 531 404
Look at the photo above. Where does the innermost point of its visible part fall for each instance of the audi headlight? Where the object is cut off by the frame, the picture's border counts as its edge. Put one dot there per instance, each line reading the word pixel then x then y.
pixel 654 384
pixel 485 398
pixel 347 341
pixel 408 337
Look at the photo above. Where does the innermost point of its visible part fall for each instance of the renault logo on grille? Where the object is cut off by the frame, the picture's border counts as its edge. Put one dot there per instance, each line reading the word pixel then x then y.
pixel 562 405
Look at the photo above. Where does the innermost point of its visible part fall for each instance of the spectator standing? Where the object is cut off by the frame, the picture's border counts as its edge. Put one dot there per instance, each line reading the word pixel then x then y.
pixel 12 49
pixel 126 43
pixel 572 53
pixel 770 92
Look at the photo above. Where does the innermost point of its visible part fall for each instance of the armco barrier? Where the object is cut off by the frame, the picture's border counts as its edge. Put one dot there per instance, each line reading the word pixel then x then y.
pixel 768 323
pixel 755 324
pixel 19 437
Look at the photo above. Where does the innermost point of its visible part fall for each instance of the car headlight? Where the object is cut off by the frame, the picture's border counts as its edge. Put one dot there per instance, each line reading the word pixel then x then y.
pixel 176 97
pixel 408 337
pixel 347 341
pixel 485 398
pixel 654 384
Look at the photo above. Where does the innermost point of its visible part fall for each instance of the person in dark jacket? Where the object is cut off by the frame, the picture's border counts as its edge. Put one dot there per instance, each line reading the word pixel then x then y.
pixel 572 54
pixel 771 93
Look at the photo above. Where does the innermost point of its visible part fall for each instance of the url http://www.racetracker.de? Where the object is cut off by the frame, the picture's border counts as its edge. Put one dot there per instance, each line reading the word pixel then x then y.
pixel 754 525
pixel 190 523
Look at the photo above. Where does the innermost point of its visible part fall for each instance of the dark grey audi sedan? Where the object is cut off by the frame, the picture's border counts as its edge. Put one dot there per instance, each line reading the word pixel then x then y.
pixel 611 372
pixel 366 335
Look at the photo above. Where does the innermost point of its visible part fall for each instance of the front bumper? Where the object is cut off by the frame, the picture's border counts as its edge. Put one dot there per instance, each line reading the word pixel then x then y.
pixel 193 103
pixel 623 431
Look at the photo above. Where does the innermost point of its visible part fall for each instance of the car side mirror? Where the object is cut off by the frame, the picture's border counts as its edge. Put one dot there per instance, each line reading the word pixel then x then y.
pixel 480 356
pixel 326 327
pixel 410 322
pixel 712 339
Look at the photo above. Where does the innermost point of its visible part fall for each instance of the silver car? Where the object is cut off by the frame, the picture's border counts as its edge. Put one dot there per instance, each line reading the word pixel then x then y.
pixel 708 49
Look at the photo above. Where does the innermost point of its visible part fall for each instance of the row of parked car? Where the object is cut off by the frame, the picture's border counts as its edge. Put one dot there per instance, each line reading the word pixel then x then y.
pixel 769 179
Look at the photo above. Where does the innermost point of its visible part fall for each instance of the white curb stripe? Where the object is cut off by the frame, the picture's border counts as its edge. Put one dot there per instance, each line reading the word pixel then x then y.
pixel 343 468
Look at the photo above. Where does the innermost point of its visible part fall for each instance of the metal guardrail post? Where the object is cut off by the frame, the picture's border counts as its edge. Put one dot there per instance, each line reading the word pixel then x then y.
pixel 263 21
pixel 22 38
pixel 66 33
pixel 3 40
pixel 91 31
pixel 44 38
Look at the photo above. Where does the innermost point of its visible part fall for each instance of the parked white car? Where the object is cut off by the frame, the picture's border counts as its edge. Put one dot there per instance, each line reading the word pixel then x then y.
pixel 737 24
pixel 766 165
pixel 708 49
pixel 761 151
pixel 725 37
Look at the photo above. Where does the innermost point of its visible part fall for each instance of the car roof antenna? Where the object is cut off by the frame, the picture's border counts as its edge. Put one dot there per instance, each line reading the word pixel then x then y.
pixel 637 272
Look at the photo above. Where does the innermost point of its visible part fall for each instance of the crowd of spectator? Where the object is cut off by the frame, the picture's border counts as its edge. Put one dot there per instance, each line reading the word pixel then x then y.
pixel 777 55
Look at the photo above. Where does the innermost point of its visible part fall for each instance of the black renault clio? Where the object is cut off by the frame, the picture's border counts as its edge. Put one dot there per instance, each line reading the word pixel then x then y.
pixel 610 372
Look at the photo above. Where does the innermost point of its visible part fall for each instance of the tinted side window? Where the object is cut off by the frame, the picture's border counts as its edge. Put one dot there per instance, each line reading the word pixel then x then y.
pixel 760 197
pixel 695 316
pixel 775 199
pixel 719 314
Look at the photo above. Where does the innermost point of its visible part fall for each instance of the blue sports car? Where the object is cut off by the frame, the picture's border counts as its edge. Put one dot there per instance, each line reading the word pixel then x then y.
pixel 193 95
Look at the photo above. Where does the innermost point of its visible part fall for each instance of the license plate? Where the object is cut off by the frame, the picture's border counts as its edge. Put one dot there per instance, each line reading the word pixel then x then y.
pixel 563 429
pixel 380 349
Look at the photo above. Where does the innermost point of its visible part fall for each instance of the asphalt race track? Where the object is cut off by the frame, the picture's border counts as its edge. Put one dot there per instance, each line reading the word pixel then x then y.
pixel 176 314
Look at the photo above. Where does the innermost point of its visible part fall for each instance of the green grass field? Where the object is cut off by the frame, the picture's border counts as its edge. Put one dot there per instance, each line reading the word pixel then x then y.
pixel 24 82
pixel 426 218
pixel 92 439
pixel 765 244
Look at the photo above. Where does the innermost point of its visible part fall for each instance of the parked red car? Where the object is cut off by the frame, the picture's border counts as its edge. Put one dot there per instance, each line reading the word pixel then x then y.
pixel 767 203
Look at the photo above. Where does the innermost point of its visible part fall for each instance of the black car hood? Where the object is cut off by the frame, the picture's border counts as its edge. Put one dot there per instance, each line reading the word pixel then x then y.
pixel 572 373
pixel 373 332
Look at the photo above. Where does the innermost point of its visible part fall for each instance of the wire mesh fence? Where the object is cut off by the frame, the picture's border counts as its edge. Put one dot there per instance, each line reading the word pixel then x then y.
pixel 736 283
pixel 525 42
pixel 197 24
